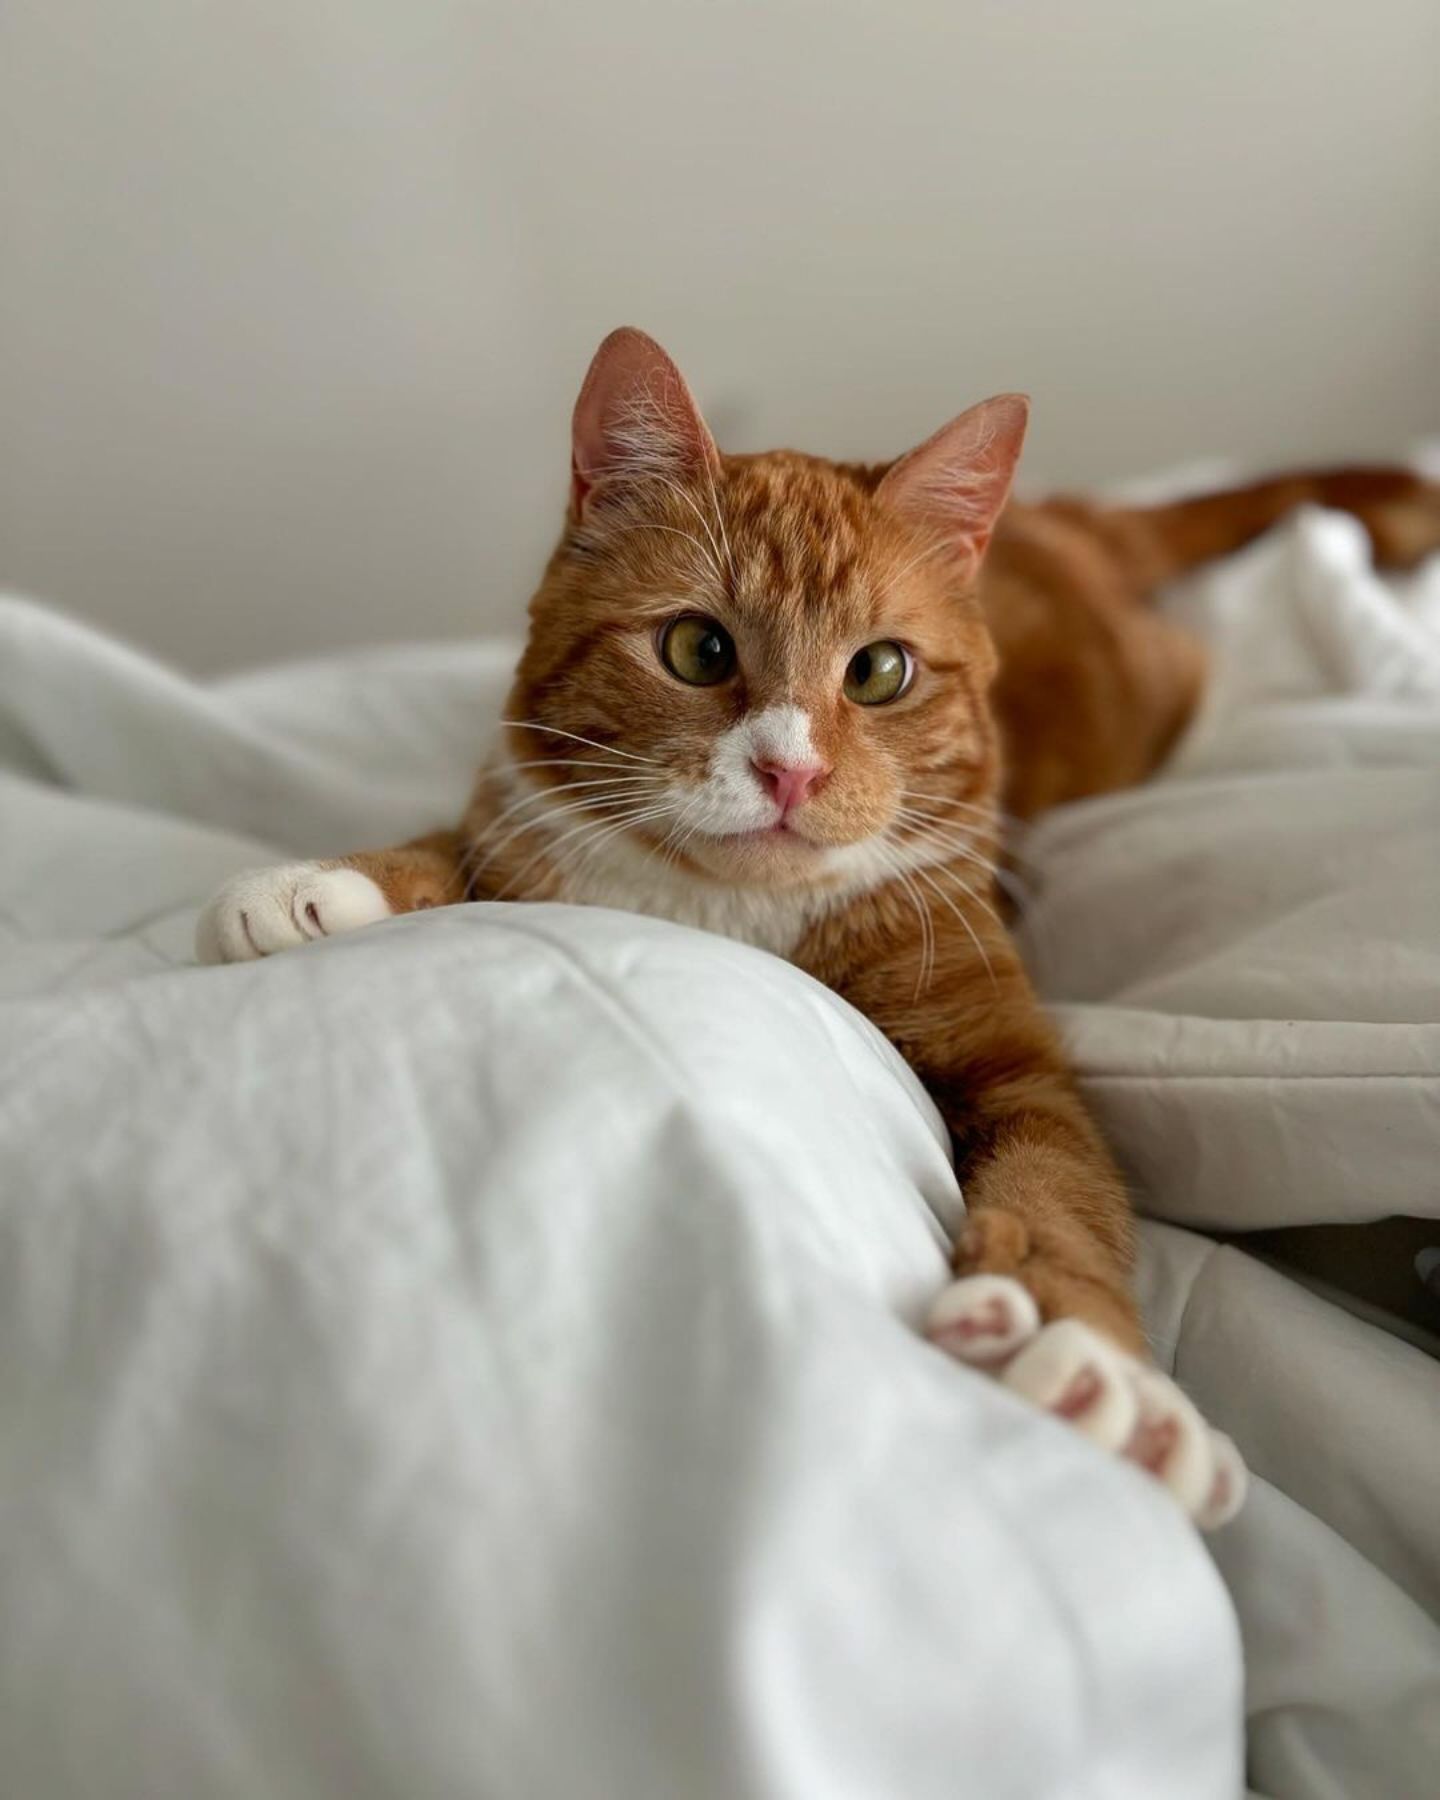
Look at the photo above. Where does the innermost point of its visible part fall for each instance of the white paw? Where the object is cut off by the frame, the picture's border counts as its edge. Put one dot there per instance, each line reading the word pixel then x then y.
pixel 984 1319
pixel 1120 1403
pixel 266 910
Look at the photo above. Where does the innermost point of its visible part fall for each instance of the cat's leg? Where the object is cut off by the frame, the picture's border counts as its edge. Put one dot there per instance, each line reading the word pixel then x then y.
pixel 265 910
pixel 1042 1298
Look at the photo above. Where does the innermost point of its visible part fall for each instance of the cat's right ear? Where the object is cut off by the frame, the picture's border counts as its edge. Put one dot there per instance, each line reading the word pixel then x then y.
pixel 635 420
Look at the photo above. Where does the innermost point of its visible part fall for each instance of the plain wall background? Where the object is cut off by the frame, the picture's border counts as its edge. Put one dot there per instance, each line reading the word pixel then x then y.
pixel 296 293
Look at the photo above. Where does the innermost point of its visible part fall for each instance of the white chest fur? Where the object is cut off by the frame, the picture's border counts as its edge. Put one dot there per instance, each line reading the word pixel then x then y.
pixel 624 876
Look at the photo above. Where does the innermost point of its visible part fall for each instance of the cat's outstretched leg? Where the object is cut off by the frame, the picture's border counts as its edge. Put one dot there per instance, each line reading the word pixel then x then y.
pixel 1043 1300
pixel 265 910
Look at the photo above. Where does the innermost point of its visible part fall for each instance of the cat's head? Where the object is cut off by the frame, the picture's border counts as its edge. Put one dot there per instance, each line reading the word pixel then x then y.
pixel 768 668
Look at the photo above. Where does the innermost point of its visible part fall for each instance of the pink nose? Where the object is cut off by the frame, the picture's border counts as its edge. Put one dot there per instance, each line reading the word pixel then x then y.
pixel 788 784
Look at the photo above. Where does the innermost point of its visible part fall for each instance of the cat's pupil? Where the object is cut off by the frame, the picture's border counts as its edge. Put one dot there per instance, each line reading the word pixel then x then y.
pixel 710 651
pixel 862 667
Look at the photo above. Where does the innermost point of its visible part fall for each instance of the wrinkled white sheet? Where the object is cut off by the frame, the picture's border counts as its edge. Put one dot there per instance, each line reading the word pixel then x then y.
pixel 1246 952
pixel 473 1357
pixel 1245 956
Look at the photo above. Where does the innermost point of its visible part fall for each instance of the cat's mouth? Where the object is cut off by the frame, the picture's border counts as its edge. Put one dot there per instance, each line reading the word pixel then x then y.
pixel 774 855
pixel 782 833
pixel 764 834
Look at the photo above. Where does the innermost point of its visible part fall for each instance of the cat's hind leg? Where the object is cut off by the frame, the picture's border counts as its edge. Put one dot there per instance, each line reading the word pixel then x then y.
pixel 264 910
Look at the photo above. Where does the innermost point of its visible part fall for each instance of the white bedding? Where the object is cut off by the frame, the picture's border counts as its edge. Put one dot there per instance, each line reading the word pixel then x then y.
pixel 473 1357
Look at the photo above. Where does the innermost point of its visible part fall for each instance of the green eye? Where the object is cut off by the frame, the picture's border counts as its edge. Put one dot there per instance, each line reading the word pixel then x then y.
pixel 697 650
pixel 878 673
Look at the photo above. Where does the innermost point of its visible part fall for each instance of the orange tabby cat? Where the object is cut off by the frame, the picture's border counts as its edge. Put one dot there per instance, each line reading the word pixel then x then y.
pixel 783 698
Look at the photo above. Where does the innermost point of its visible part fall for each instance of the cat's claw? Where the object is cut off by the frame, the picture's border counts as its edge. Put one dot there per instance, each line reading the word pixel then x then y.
pixel 1120 1403
pixel 265 910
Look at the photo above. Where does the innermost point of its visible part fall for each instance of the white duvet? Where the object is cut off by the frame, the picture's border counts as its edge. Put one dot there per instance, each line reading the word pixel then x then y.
pixel 473 1358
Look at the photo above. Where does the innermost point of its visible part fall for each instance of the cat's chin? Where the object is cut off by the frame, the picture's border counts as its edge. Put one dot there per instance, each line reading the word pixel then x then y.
pixel 772 857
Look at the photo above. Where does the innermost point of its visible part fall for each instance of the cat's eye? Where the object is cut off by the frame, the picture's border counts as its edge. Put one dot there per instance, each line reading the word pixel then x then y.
pixel 697 650
pixel 879 672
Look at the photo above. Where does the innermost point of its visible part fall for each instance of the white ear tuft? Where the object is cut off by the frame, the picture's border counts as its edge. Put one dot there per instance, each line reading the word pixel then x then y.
pixel 959 480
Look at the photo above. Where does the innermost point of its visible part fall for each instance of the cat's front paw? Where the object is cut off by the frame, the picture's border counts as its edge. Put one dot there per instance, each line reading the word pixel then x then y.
pixel 1115 1399
pixel 265 910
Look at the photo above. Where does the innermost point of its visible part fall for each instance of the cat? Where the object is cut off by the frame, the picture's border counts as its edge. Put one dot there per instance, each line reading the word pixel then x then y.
pixel 784 699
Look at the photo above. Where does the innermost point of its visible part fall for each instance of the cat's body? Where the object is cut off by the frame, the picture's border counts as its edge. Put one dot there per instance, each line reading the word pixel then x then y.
pixel 782 699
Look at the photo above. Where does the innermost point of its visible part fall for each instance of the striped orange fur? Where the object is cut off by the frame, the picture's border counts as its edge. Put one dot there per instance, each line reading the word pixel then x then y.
pixel 1038 674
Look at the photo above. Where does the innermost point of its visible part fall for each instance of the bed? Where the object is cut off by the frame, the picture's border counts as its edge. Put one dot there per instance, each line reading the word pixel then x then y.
pixel 476 1356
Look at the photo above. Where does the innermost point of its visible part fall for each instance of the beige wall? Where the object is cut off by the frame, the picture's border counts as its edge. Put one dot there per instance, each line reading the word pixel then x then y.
pixel 295 293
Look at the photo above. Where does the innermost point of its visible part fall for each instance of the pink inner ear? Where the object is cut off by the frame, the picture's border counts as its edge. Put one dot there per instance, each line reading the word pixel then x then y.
pixel 636 418
pixel 959 480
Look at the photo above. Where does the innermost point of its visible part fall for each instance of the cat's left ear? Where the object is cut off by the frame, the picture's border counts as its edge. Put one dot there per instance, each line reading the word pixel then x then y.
pixel 959 480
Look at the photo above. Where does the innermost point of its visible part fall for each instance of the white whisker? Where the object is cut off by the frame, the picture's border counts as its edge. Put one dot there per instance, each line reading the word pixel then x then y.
pixel 556 731
pixel 587 848
pixel 974 935
pixel 676 489
pixel 970 806
pixel 991 814
pixel 544 762
pixel 720 521
pixel 943 868
pixel 962 846
pixel 616 787
pixel 680 833
pixel 922 912
pixel 549 850
pixel 960 839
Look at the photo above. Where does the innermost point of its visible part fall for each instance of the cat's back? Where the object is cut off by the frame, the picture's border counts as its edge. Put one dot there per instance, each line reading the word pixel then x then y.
pixel 1094 686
